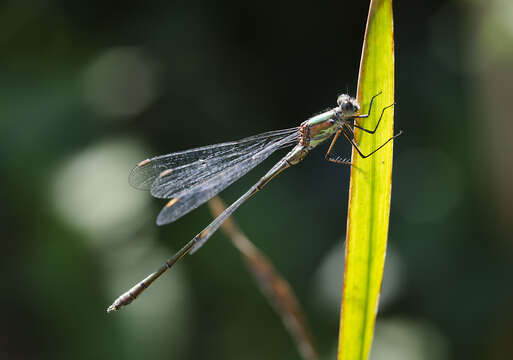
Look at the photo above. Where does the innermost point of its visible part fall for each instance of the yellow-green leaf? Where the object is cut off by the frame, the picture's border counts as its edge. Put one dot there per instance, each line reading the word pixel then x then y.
pixel 370 189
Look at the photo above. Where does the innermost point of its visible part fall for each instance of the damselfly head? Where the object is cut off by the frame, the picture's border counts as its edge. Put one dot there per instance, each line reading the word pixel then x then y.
pixel 348 105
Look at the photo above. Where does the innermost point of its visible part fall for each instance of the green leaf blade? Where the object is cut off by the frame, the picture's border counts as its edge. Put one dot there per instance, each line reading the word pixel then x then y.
pixel 370 189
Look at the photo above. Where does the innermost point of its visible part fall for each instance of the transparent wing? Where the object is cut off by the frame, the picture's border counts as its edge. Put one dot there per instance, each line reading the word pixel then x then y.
pixel 190 198
pixel 199 174
pixel 166 175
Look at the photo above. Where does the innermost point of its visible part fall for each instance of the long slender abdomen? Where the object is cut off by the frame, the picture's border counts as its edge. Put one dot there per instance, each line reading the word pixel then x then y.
pixel 294 156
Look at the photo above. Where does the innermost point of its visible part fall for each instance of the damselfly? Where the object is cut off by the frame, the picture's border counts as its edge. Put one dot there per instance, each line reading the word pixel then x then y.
pixel 192 177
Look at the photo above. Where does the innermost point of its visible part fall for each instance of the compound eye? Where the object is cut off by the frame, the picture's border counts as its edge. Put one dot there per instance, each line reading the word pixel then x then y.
pixel 347 107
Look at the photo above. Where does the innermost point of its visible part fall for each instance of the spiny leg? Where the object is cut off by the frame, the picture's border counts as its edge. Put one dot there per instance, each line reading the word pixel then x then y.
pixel 335 160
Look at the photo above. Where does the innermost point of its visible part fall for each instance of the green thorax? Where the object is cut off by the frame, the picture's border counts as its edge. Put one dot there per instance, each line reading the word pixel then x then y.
pixel 320 128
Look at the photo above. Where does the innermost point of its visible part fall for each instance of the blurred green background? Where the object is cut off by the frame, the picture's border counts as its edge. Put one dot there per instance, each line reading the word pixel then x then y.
pixel 89 88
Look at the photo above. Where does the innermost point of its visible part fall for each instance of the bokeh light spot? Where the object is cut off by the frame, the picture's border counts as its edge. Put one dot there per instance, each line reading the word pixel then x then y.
pixel 120 82
pixel 91 190
pixel 329 279
pixel 407 339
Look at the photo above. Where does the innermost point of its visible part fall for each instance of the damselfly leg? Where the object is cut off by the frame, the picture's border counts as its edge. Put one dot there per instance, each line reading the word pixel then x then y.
pixel 351 140
pixel 335 160
pixel 367 115
pixel 349 134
